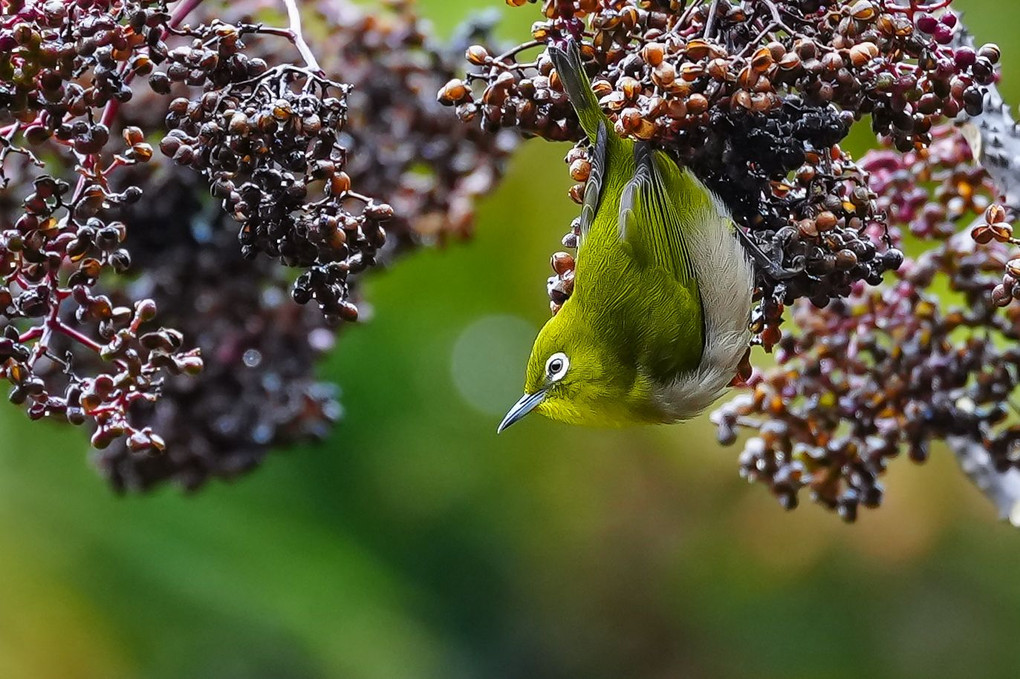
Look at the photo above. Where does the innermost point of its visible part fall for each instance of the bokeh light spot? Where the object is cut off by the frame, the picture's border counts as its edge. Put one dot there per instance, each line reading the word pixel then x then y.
pixel 488 361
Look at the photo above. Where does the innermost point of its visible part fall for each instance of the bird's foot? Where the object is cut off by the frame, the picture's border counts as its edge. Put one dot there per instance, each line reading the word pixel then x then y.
pixel 771 268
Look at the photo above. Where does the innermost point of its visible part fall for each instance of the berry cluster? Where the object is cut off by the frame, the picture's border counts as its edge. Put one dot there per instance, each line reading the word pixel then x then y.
pixel 663 68
pixel 278 144
pixel 60 61
pixel 892 367
pixel 65 68
pixel 258 390
pixel 755 97
pixel 268 140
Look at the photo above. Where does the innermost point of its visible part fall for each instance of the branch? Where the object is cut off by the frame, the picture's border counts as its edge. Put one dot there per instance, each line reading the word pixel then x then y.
pixel 1003 489
pixel 995 141
pixel 296 36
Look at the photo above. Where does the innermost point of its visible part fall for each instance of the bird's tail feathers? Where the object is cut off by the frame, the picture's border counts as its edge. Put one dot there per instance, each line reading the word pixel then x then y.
pixel 577 86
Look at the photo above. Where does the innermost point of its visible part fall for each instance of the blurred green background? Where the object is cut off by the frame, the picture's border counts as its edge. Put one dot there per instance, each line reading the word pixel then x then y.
pixel 415 543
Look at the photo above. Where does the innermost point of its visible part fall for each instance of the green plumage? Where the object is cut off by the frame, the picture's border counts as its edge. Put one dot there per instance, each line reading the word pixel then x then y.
pixel 635 323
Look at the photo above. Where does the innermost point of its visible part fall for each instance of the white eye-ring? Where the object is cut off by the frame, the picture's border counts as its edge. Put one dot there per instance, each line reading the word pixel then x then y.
pixel 556 366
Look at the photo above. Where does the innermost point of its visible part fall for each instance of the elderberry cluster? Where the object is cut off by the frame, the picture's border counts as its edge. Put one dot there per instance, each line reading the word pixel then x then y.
pixel 60 60
pixel 893 368
pixel 663 67
pixel 258 390
pixel 268 140
pixel 278 143
pixel 65 69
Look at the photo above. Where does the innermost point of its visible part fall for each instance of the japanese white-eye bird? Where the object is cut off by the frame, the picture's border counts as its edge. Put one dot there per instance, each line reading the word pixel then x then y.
pixel 658 320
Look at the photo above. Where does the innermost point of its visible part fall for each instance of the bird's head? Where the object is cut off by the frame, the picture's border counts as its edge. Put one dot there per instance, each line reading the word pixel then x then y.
pixel 572 377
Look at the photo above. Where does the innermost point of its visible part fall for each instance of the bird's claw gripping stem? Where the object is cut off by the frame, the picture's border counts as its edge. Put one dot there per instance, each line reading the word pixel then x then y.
pixel 766 263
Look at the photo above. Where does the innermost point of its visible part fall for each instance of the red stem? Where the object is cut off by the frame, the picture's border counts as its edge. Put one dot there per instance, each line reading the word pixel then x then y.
pixel 34 333
pixel 62 327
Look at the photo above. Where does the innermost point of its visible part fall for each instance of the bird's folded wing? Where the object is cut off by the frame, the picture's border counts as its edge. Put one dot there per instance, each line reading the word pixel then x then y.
pixel 660 209
pixel 659 218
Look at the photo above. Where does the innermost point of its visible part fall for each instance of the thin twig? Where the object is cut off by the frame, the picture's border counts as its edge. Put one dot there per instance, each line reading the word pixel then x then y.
pixel 517 50
pixel 709 23
pixel 297 37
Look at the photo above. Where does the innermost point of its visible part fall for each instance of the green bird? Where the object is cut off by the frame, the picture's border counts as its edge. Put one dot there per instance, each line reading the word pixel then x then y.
pixel 658 320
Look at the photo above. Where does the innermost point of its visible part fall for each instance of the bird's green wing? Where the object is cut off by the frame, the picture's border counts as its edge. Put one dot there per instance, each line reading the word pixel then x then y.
pixel 659 209
pixel 664 210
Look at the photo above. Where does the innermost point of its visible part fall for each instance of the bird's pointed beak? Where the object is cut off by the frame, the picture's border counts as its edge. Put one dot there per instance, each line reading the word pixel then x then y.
pixel 524 406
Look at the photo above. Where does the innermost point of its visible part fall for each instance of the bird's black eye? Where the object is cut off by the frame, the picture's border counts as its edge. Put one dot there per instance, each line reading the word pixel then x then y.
pixel 556 366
